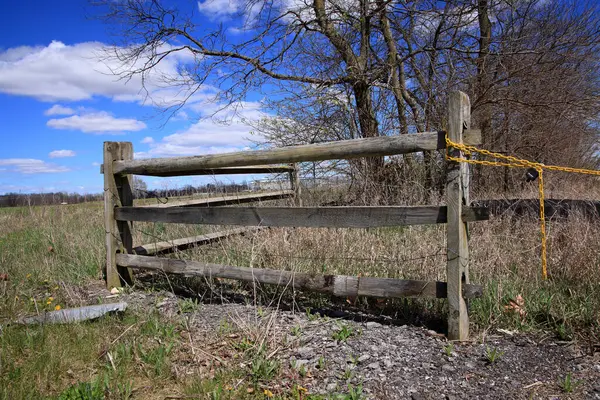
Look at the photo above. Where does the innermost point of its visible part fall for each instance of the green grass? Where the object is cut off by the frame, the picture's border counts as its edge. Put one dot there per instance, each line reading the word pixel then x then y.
pixel 343 332
pixel 48 252
pixel 568 384
pixel 40 361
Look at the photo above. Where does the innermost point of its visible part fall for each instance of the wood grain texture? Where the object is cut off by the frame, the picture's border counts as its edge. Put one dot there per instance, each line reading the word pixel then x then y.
pixel 457 235
pixel 312 217
pixel 295 185
pixel 170 246
pixel 226 200
pixel 337 285
pixel 345 149
pixel 117 193
pixel 255 169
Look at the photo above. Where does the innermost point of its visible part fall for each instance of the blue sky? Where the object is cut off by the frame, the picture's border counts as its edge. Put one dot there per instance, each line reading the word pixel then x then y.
pixel 59 103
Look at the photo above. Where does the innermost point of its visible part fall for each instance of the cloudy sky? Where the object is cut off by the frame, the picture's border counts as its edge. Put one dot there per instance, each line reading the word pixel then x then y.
pixel 59 101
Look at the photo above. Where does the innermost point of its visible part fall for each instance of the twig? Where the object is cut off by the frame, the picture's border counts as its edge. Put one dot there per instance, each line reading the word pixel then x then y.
pixel 124 332
pixel 537 383
pixel 187 327
pixel 219 359
pixel 112 363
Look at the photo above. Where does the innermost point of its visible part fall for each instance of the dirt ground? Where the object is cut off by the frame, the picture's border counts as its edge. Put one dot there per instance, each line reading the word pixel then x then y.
pixel 390 361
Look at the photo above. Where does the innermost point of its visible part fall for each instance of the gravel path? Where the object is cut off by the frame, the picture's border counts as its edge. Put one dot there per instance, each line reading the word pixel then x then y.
pixel 395 362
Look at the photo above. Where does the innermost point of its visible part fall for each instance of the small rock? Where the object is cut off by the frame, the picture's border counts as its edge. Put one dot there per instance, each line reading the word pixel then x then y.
pixel 331 387
pixel 448 368
pixel 299 363
pixel 470 365
pixel 373 325
pixel 427 365
pixel 450 397
pixel 388 363
pixel 363 358
pixel 418 396
pixel 374 365
pixel 305 351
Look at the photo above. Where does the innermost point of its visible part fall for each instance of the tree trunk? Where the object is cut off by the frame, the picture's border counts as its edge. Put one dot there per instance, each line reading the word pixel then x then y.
pixel 483 81
pixel 369 127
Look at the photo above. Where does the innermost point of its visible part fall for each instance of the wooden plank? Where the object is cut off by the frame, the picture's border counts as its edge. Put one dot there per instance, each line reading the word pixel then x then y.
pixel 344 149
pixel 117 193
pixel 337 285
pixel 295 185
pixel 255 169
pixel 457 187
pixel 226 200
pixel 312 217
pixel 185 243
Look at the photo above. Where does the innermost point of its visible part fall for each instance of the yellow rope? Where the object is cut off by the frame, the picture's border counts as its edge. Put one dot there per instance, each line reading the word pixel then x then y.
pixel 514 162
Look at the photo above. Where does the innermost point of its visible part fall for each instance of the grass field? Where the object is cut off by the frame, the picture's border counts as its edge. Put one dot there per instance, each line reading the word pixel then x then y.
pixel 49 253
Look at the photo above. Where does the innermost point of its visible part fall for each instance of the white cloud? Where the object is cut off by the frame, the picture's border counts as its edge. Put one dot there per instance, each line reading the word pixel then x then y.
pixel 61 153
pixel 209 136
pixel 181 116
pixel 30 166
pixel 83 71
pixel 216 9
pixel 147 140
pixel 57 109
pixel 97 122
pixel 95 164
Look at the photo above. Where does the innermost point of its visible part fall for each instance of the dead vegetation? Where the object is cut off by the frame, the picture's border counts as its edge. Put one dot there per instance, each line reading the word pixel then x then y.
pixel 51 254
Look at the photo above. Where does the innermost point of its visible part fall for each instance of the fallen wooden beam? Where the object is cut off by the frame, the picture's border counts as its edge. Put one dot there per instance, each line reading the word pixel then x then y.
pixel 337 285
pixel 226 200
pixel 343 149
pixel 185 243
pixel 312 217
pixel 72 315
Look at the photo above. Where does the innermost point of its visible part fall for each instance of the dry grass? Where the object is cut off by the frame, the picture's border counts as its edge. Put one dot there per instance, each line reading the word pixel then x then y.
pixel 44 248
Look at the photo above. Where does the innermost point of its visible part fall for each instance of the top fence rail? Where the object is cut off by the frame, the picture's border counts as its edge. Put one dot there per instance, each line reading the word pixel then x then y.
pixel 347 149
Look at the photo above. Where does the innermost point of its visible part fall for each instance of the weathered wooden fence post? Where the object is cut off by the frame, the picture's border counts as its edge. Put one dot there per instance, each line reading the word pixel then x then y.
pixel 295 185
pixel 117 193
pixel 457 192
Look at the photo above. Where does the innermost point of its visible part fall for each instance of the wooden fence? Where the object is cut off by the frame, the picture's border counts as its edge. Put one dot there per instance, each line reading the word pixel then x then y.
pixel 122 256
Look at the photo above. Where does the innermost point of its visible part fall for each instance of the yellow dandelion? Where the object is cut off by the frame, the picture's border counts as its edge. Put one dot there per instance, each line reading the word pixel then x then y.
pixel 302 389
pixel 227 387
pixel 50 299
pixel 28 276
pixel 57 308
pixel 268 393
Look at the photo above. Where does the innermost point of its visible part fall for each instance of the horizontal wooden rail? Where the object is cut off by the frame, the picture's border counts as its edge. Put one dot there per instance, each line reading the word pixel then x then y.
pixel 225 200
pixel 313 217
pixel 255 169
pixel 337 285
pixel 344 149
pixel 185 243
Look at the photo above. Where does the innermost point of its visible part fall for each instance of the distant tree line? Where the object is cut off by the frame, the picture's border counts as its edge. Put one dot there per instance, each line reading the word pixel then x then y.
pixel 39 199
pixel 189 190
pixel 140 191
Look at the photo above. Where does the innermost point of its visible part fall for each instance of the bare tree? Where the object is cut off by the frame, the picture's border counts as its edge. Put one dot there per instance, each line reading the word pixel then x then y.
pixel 364 68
